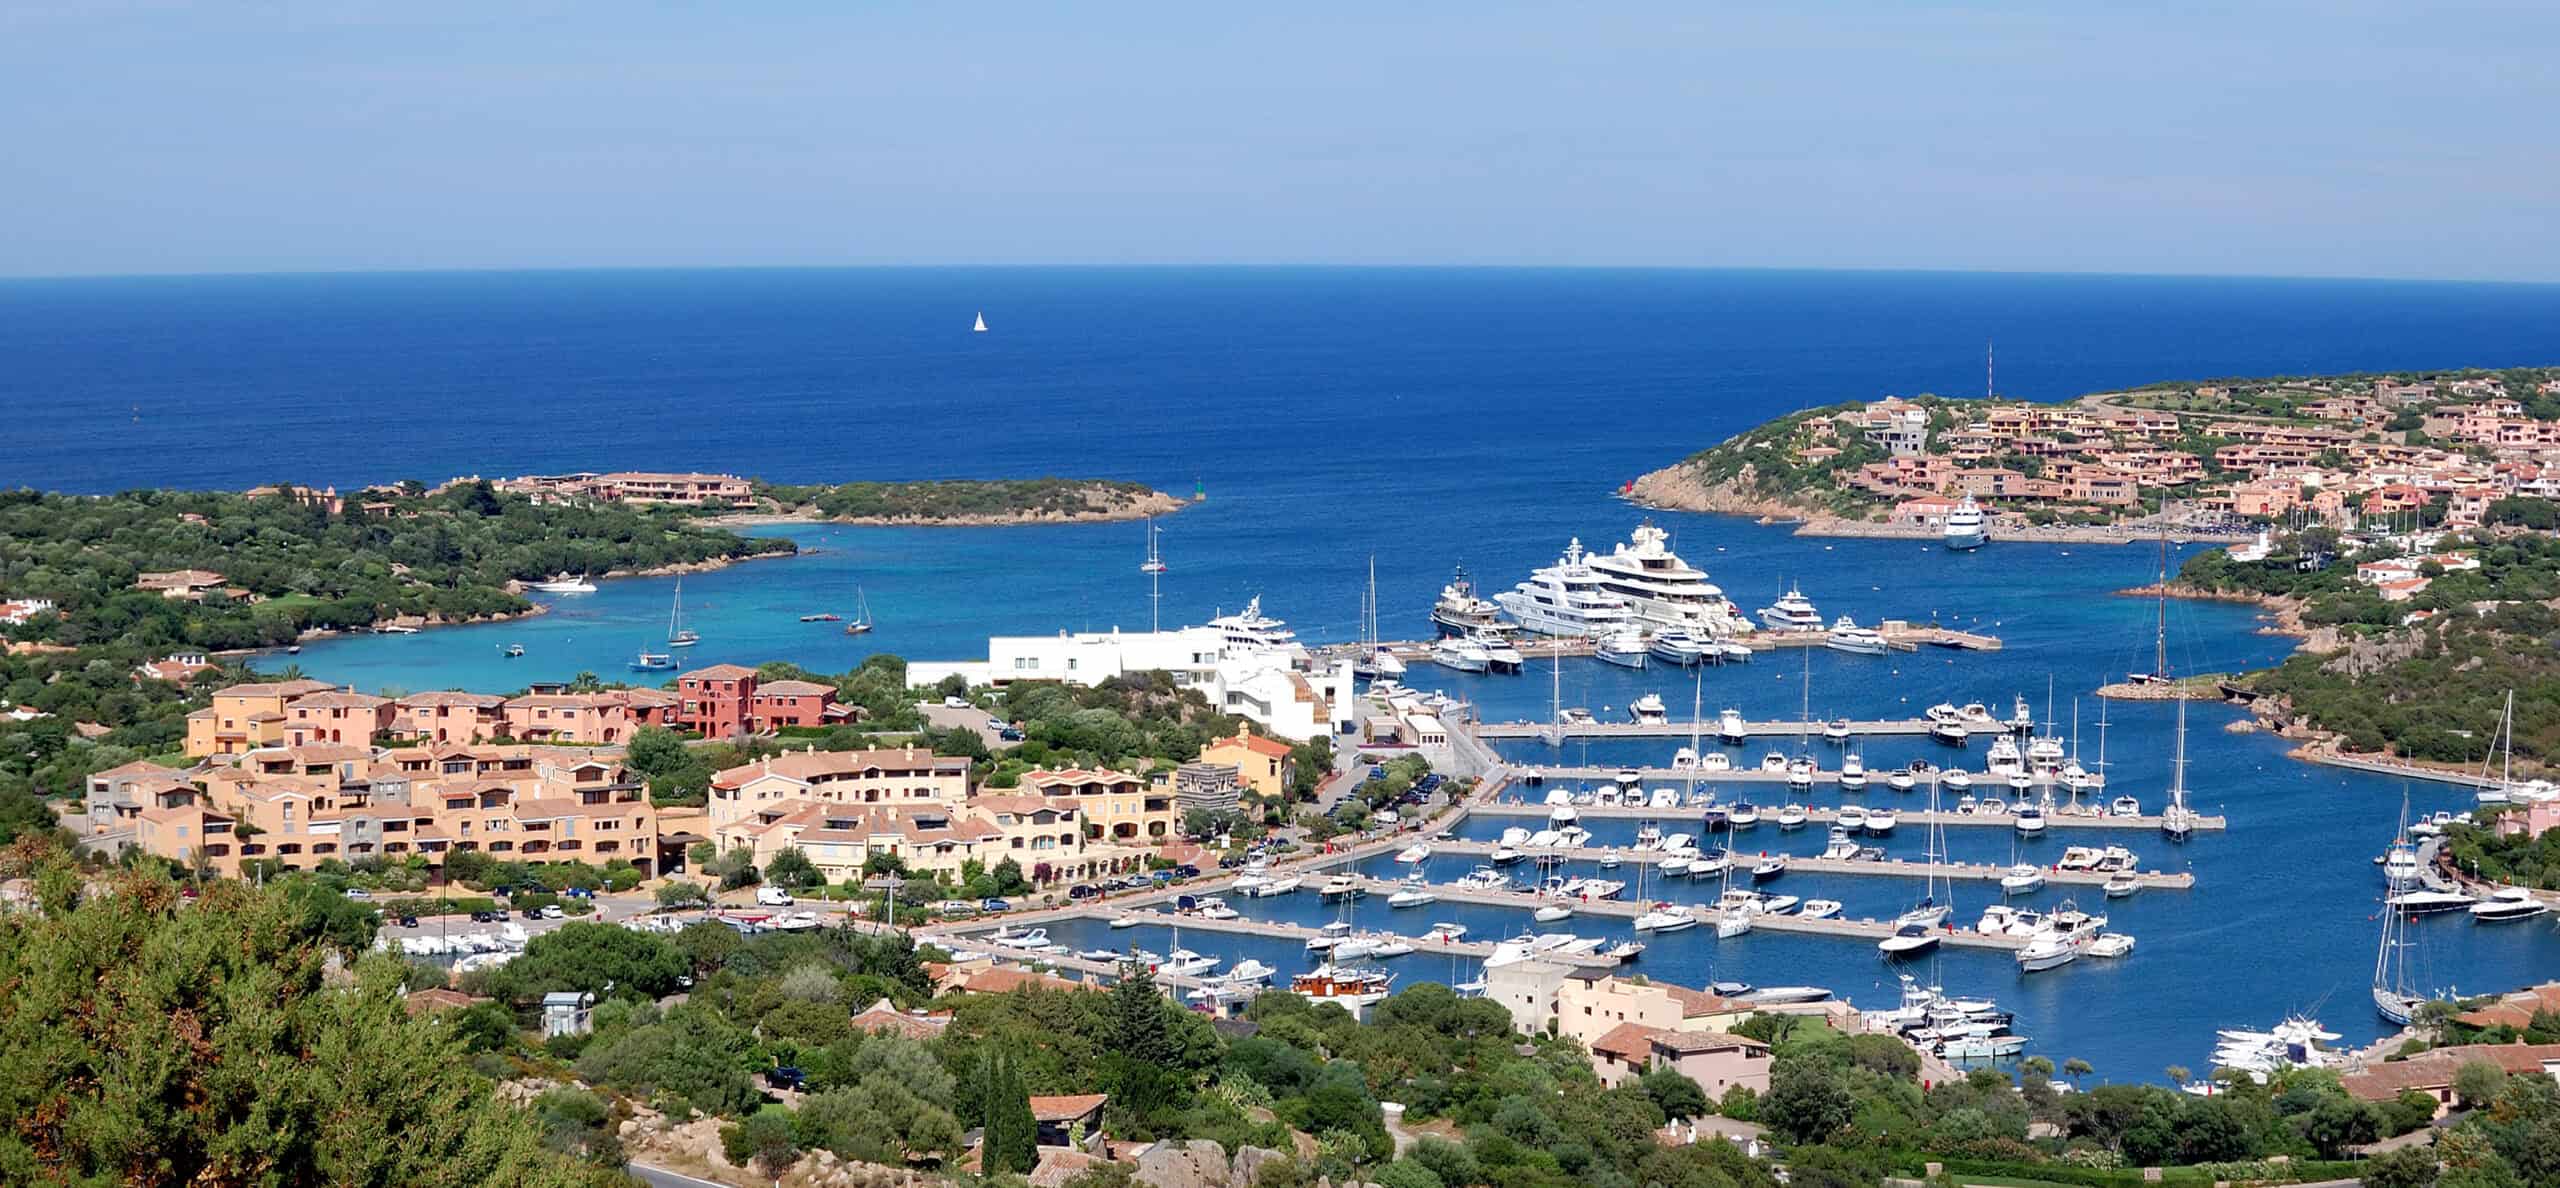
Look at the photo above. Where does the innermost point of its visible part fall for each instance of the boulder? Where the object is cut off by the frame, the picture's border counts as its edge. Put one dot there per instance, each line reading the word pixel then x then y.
pixel 1197 1163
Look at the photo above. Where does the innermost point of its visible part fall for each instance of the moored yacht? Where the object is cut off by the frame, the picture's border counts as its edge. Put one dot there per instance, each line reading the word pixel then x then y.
pixel 1251 628
pixel 1792 612
pixel 1461 654
pixel 1648 710
pixel 1461 612
pixel 566 584
pixel 1566 598
pixel 1624 648
pixel 1662 591
pixel 2509 903
pixel 1964 528
pixel 1499 655
pixel 1730 728
pixel 1676 646
pixel 1847 636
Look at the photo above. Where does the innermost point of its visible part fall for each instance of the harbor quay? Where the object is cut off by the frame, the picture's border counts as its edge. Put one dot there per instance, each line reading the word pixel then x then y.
pixel 1891 867
pixel 1789 729
pixel 1622 909
pixel 2056 820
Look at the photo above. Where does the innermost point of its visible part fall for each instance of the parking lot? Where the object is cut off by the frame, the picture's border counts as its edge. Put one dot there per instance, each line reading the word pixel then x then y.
pixel 945 717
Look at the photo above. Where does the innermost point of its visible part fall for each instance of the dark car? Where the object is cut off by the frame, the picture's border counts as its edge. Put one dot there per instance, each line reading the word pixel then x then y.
pixel 1186 871
pixel 784 1077
pixel 994 905
pixel 484 917
pixel 408 921
pixel 1082 891
pixel 531 913
pixel 1010 734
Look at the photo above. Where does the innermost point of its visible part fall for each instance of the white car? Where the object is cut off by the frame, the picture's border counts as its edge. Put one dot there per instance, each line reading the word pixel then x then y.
pixel 955 703
pixel 551 911
pixel 773 897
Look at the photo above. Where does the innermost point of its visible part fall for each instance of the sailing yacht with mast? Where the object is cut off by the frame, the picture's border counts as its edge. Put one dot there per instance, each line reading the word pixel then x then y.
pixel 2177 820
pixel 2392 996
pixel 861 624
pixel 679 635
pixel 1916 931
pixel 1155 552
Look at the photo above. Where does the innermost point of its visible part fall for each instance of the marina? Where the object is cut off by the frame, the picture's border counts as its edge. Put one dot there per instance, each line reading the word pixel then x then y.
pixel 1890 868
pixel 1904 727
pixel 2059 818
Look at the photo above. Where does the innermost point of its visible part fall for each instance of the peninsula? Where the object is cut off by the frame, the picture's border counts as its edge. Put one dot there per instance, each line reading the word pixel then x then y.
pixel 969 502
pixel 2106 466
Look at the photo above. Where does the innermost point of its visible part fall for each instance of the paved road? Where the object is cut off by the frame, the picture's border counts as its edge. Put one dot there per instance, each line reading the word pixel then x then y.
pixel 659 1177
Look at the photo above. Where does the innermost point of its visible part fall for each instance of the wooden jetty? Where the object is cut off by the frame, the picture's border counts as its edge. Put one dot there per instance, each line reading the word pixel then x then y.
pixel 2059 818
pixel 1891 867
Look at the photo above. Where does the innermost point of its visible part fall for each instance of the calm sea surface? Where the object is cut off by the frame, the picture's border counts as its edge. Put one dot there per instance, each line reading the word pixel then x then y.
pixel 1426 419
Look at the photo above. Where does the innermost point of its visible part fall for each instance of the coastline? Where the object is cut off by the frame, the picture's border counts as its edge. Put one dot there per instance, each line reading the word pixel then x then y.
pixel 1673 488
pixel 1159 504
pixel 533 610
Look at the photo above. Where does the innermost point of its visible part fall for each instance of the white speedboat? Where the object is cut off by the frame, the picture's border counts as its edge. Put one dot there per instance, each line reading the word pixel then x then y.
pixel 1908 940
pixel 1214 908
pixel 566 584
pixel 1819 909
pixel 1648 710
pixel 1847 636
pixel 2030 818
pixel 1411 897
pixel 1743 815
pixel 1624 648
pixel 1280 886
pixel 1950 732
pixel 1898 780
pixel 1128 920
pixel 1853 817
pixel 2121 884
pixel 1329 937
pixel 2110 944
pixel 1731 730
pixel 1666 918
pixel 2508 903
pixel 2125 806
pixel 1553 912
pixel 1853 773
pixel 1791 816
pixel 1880 821
pixel 1414 853
pixel 1769 866
pixel 2022 878
pixel 1792 612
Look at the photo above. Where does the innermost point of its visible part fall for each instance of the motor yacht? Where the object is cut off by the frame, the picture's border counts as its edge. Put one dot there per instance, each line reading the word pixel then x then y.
pixel 2109 944
pixel 1842 846
pixel 1956 779
pixel 1881 821
pixel 2423 902
pixel 1676 646
pixel 1847 636
pixel 2125 806
pixel 1416 852
pixel 1648 710
pixel 1279 886
pixel 1774 762
pixel 2121 884
pixel 1566 598
pixel 1714 761
pixel 1964 530
pixel 1625 648
pixel 566 584
pixel 1791 816
pixel 2030 818
pixel 2003 758
pixel 1329 937
pixel 1663 592
pixel 1730 730
pixel 1461 654
pixel 2022 878
pixel 1552 913
pixel 1853 773
pixel 1792 612
pixel 2508 904
pixel 1769 866
pixel 1460 612
pixel 1950 732
pixel 1908 940
pixel 1665 917
pixel 1411 897
pixel 1819 909
pixel 1341 887
pixel 1800 775
pixel 1898 780
pixel 2047 952
pixel 1743 815
pixel 2400 866
pixel 1852 817
pixel 1499 654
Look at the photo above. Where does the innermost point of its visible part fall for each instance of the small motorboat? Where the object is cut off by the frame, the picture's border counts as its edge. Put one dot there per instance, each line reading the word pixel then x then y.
pixel 1414 853
pixel 1836 730
pixel 1900 781
pixel 1624 951
pixel 514 650
pixel 2049 951
pixel 1908 940
pixel 2110 944
pixel 2121 884
pixel 1791 816
pixel 1770 866
pixel 1819 909
pixel 2022 878
pixel 1412 897
pixel 1880 821
pixel 1446 933
pixel 2030 819
pixel 1553 912
pixel 1130 920
pixel 2124 806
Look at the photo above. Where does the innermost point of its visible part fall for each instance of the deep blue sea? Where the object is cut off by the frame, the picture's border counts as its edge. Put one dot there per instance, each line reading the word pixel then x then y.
pixel 1423 418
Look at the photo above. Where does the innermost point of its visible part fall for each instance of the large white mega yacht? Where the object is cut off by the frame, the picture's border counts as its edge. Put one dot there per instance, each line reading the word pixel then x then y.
pixel 1793 612
pixel 1250 627
pixel 1663 591
pixel 1965 527
pixel 1566 598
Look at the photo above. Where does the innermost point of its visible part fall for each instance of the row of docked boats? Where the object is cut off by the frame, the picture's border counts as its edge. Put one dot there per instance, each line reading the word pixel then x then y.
pixel 1957 1030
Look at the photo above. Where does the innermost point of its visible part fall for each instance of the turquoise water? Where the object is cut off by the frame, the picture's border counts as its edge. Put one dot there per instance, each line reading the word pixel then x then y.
pixel 1422 418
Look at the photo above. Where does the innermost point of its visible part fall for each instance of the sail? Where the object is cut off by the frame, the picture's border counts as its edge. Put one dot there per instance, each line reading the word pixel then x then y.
pixel 981 327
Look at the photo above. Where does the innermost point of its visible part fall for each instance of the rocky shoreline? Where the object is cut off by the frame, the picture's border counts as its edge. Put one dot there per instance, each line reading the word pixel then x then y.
pixel 1679 488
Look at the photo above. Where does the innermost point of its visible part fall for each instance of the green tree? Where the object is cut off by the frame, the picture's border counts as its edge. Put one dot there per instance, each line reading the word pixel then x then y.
pixel 792 869
pixel 2478 1082
pixel 595 958
pixel 1012 1135
pixel 1674 1093
pixel 149 1042
pixel 2408 1167
pixel 765 1138
pixel 681 894
pixel 1807 1101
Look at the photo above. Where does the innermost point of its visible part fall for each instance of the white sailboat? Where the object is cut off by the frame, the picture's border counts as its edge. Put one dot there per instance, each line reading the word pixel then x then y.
pixel 2392 996
pixel 861 624
pixel 981 327
pixel 1375 661
pixel 1916 931
pixel 1155 553
pixel 679 635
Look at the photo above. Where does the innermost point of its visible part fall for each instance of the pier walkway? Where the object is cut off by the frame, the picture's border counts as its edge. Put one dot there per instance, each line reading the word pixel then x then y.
pixel 1618 909
pixel 1891 868
pixel 2060 818
pixel 1906 727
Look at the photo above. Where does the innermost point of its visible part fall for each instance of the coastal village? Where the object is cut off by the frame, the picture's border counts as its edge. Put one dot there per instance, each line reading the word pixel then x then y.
pixel 312 783
pixel 2341 452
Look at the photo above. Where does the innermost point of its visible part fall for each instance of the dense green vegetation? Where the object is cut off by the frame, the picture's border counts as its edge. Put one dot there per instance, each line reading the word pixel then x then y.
pixel 964 499
pixel 153 1042
pixel 1141 717
pixel 2432 690
pixel 1767 456
pixel 2284 396
pixel 448 555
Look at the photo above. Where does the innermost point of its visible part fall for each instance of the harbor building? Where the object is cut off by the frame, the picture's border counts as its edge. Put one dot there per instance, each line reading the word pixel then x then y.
pixel 245 717
pixel 1046 837
pixel 1207 787
pixel 1122 807
pixel 1262 762
pixel 1244 664
pixel 896 777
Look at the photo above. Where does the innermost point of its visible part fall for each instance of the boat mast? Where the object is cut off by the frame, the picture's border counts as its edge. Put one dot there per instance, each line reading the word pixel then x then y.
pixel 2178 762
pixel 2160 633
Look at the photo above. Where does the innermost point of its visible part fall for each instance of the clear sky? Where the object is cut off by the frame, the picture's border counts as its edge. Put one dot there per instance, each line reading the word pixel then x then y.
pixel 2356 138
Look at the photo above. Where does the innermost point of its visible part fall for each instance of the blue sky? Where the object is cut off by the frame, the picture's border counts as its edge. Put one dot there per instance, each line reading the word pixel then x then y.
pixel 2351 138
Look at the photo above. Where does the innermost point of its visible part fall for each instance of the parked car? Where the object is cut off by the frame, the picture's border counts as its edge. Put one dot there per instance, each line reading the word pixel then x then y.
pixel 998 724
pixel 551 911
pixel 1083 891
pixel 408 921
pixel 994 905
pixel 770 896
pixel 783 1077
pixel 1009 734
pixel 956 907
pixel 1187 871
pixel 955 703
pixel 357 893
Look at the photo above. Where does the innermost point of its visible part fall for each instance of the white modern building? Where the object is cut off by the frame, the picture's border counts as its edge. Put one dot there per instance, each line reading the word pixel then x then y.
pixel 1279 688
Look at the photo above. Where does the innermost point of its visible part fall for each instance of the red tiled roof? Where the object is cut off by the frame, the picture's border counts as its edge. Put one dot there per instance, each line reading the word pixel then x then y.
pixel 1630 1042
pixel 1067 1108
pixel 720 672
pixel 1256 743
